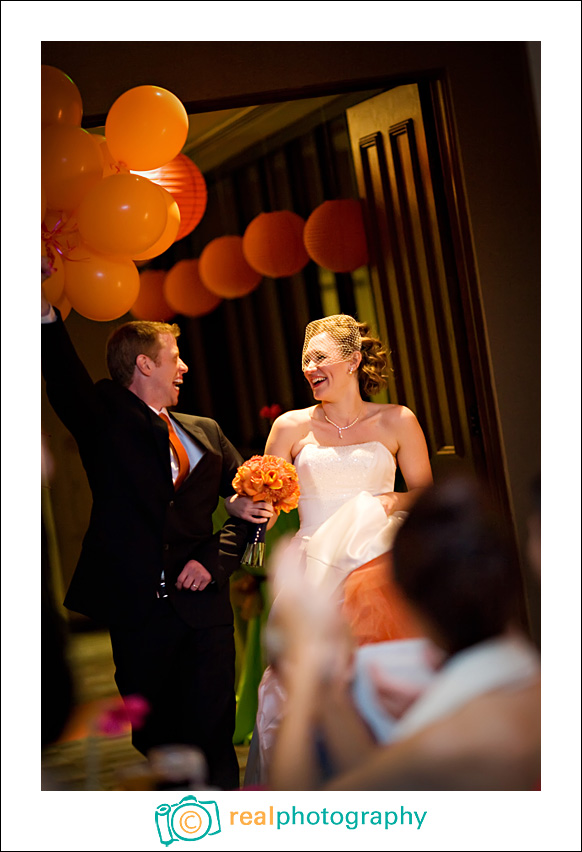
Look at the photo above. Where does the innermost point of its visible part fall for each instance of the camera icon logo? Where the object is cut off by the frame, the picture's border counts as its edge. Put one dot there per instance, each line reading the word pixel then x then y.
pixel 189 819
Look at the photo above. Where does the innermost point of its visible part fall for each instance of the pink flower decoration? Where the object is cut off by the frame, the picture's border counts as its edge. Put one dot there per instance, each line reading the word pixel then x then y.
pixel 131 710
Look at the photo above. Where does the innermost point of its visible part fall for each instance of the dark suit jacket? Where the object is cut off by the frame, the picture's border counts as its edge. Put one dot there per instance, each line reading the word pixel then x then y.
pixel 139 524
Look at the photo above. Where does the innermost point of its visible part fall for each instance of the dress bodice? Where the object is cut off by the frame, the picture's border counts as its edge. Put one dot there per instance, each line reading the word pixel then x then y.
pixel 330 476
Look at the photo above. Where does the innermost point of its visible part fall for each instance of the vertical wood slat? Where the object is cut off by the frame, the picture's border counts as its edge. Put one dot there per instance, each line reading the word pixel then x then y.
pixel 440 342
pixel 375 179
pixel 421 286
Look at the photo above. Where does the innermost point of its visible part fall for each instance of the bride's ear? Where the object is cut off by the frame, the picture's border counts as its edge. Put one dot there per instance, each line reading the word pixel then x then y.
pixel 355 361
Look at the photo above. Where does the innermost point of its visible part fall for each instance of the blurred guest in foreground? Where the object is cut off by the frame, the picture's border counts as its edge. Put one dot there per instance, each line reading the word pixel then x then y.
pixel 475 723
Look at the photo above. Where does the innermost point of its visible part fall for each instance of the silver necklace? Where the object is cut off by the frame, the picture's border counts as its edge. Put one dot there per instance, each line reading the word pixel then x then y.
pixel 340 429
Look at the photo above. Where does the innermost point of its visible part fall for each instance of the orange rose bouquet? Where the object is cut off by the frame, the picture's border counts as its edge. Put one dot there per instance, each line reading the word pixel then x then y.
pixel 273 480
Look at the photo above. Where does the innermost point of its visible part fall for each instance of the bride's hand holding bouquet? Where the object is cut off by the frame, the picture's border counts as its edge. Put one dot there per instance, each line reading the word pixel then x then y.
pixel 266 480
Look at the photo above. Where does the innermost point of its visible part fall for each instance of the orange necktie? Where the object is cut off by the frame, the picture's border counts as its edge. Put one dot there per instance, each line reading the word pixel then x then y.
pixel 181 454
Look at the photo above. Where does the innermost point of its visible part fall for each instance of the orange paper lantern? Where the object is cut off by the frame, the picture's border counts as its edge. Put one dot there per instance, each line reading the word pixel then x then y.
pixel 60 99
pixel 183 179
pixel 334 235
pixel 146 127
pixel 273 244
pixel 224 270
pixel 151 304
pixel 185 292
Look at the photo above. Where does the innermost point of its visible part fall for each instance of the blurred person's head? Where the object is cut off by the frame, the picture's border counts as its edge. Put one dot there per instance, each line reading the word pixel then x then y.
pixel 453 562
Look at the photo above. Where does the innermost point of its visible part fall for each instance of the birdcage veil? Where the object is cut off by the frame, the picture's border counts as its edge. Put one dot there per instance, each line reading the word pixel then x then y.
pixel 330 339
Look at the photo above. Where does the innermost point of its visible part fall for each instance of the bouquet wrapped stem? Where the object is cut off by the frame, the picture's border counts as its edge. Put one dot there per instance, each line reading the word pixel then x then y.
pixel 270 479
pixel 254 554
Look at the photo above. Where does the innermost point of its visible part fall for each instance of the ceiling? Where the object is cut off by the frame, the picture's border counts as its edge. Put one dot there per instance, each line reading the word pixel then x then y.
pixel 215 137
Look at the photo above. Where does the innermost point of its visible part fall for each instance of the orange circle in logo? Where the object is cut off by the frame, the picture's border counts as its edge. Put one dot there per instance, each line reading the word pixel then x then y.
pixel 190 822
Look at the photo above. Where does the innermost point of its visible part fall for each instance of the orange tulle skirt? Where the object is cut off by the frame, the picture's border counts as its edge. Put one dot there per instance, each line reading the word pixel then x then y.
pixel 374 607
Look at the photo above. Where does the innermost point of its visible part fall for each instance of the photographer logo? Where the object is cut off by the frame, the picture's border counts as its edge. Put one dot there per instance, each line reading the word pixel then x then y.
pixel 189 819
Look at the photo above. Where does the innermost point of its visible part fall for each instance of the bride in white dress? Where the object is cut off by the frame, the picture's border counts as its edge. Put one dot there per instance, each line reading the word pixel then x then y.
pixel 346 451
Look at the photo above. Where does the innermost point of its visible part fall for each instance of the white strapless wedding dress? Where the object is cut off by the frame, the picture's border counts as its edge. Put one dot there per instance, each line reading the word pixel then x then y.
pixel 342 545
pixel 342 525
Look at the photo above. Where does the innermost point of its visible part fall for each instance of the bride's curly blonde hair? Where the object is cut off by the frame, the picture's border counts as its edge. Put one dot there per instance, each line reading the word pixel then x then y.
pixel 373 370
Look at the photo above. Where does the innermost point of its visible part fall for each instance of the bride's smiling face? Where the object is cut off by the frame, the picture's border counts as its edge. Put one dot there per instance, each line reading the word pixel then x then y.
pixel 324 367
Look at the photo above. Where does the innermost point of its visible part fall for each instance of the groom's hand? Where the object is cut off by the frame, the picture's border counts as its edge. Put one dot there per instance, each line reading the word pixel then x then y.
pixel 193 576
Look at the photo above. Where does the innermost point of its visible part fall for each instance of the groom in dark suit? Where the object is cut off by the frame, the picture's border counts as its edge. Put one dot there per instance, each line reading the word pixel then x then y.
pixel 150 565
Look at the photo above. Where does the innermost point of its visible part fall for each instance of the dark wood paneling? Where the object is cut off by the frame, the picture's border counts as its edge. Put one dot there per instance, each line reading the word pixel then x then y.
pixel 409 274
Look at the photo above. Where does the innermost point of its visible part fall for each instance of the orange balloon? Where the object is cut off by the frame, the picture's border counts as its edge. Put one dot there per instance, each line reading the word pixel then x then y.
pixel 54 287
pixel 146 127
pixel 123 215
pixel 100 288
pixel 151 304
pixel 56 218
pixel 224 270
pixel 170 232
pixel 60 99
pixel 110 166
pixel 42 203
pixel 64 307
pixel 185 292
pixel 70 164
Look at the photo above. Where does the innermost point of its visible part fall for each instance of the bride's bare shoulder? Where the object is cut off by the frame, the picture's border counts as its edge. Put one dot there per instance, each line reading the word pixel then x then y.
pixel 393 413
pixel 287 430
pixel 294 419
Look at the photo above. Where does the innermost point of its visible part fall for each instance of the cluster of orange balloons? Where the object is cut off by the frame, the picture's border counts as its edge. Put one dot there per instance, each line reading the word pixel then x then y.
pixel 109 202
pixel 98 216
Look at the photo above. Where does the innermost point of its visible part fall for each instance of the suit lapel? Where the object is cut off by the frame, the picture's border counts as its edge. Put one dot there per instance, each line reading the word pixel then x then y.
pixel 188 423
pixel 160 431
pixel 199 435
